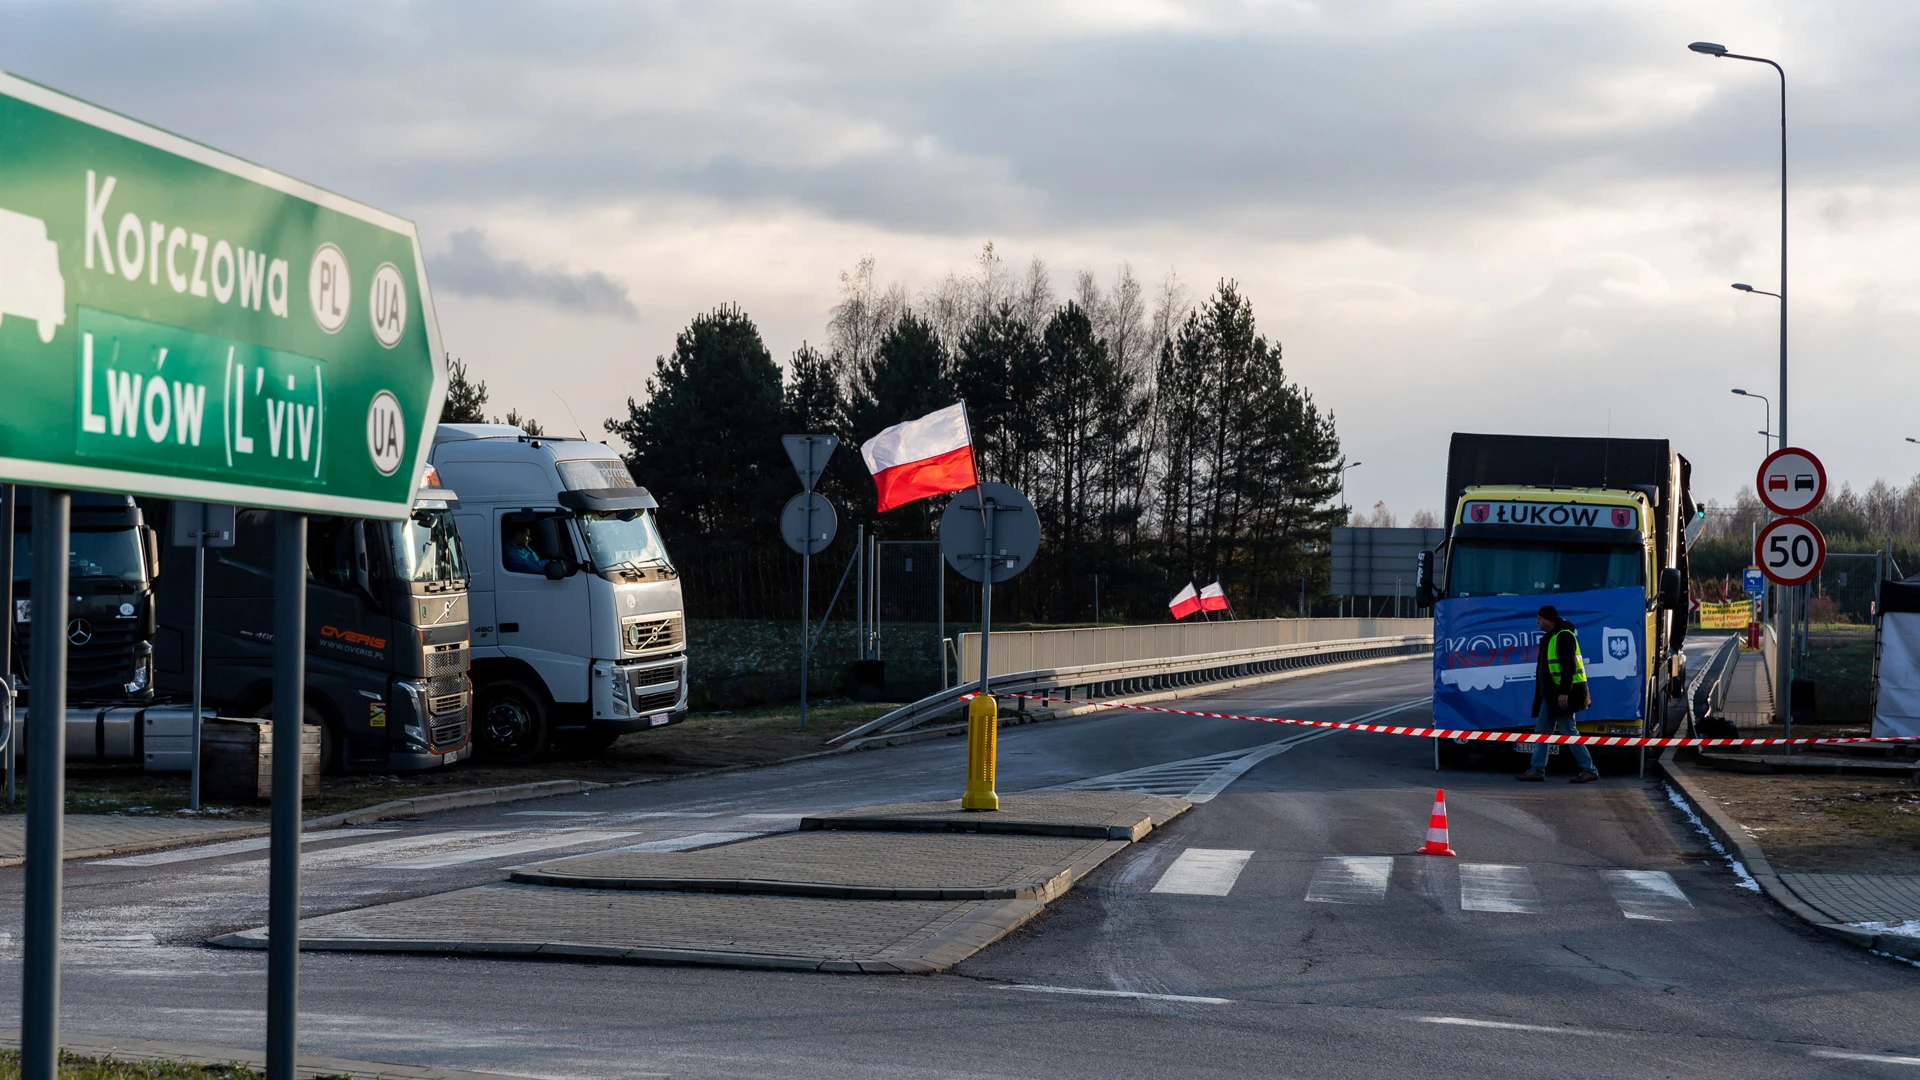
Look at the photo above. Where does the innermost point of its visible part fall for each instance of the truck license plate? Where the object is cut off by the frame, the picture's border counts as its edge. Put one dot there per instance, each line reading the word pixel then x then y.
pixel 657 719
pixel 1527 748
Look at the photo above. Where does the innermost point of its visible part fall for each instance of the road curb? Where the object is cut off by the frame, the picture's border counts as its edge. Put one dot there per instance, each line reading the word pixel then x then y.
pixel 199 1054
pixel 1743 847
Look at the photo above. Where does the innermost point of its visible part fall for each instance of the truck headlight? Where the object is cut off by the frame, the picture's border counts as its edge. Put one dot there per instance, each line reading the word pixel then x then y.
pixel 142 669
pixel 620 692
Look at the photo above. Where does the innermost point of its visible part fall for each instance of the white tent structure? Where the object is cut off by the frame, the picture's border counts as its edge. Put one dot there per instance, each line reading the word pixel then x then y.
pixel 1896 692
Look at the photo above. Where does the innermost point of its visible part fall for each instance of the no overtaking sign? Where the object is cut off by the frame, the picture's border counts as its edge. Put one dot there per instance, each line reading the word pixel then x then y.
pixel 179 322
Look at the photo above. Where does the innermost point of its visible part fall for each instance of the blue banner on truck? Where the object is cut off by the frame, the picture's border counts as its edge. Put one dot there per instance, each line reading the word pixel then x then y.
pixel 1485 649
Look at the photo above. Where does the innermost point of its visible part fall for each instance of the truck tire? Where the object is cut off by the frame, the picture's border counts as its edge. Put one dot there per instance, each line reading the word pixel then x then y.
pixel 1448 754
pixel 511 723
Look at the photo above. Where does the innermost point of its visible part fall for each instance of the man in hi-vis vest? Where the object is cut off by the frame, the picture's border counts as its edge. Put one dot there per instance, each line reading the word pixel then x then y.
pixel 1560 686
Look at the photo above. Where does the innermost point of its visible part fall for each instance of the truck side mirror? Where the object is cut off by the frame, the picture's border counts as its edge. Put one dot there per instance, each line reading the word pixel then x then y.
pixel 1423 593
pixel 150 550
pixel 1673 589
pixel 557 570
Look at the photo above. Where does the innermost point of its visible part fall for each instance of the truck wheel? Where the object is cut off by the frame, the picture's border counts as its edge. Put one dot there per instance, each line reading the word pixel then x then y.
pixel 1448 754
pixel 510 724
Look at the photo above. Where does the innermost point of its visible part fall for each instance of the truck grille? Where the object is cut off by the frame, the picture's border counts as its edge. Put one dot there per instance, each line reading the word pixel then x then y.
pixel 446 705
pixel 446 659
pixel 445 685
pixel 101 667
pixel 662 701
pixel 652 634
pixel 450 735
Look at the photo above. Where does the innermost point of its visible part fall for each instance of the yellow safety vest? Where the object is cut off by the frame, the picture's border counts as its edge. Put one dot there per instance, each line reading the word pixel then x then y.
pixel 1553 657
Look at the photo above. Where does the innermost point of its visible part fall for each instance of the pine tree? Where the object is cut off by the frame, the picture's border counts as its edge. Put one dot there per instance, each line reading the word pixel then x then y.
pixel 466 400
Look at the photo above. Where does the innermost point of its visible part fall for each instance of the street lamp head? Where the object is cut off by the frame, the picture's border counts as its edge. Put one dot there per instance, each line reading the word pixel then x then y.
pixel 1708 48
pixel 1741 392
pixel 1742 286
pixel 1911 439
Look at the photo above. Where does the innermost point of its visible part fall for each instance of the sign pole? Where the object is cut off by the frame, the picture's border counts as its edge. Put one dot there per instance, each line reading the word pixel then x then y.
pixel 199 642
pixel 46 788
pixel 289 715
pixel 7 493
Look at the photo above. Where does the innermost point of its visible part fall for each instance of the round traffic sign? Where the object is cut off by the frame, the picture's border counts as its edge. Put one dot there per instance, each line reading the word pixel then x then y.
pixel 963 534
pixel 804 532
pixel 1791 481
pixel 1790 550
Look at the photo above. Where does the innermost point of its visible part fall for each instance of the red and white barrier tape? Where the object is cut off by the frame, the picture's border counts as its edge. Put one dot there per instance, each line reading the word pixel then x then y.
pixel 1630 741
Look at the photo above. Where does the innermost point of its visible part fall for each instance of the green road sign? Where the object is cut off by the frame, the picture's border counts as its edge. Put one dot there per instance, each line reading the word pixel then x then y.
pixel 176 321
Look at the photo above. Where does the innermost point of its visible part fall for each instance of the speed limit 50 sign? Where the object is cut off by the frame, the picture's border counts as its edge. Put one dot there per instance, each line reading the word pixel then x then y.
pixel 1790 550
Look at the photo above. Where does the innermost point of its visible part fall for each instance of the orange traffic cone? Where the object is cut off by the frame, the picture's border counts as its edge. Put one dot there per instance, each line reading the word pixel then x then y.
pixel 1437 828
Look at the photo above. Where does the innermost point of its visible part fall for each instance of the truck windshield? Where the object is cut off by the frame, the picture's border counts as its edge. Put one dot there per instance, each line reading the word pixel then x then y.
pixel 613 543
pixel 112 554
pixel 430 552
pixel 1532 568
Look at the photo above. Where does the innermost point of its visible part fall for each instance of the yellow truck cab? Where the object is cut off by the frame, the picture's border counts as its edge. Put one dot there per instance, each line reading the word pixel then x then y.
pixel 1596 527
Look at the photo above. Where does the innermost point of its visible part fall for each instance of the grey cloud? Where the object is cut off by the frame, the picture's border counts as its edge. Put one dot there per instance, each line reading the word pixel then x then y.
pixel 471 266
pixel 1366 117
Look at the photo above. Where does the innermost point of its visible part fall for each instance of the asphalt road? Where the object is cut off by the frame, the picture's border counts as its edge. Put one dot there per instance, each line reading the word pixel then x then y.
pixel 1281 928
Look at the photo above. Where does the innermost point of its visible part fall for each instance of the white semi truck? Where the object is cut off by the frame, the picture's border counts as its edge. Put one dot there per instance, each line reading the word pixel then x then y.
pixel 578 630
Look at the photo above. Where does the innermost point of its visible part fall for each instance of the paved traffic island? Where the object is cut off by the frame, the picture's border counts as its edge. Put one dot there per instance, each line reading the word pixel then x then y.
pixel 846 894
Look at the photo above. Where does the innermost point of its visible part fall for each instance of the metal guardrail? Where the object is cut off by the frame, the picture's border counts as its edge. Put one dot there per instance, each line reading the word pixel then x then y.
pixel 1707 691
pixel 1138 677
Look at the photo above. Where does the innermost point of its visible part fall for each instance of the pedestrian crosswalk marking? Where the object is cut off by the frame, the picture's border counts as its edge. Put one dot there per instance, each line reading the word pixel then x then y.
pixel 1203 872
pixel 1651 895
pixel 692 840
pixel 229 847
pixel 1351 879
pixel 566 839
pixel 1496 887
pixel 380 849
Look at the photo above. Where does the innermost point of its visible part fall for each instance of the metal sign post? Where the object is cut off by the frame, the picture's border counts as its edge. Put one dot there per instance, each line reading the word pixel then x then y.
pixel 988 534
pixel 808 530
pixel 285 354
pixel 1790 482
pixel 289 715
pixel 7 495
pixel 46 787
pixel 200 526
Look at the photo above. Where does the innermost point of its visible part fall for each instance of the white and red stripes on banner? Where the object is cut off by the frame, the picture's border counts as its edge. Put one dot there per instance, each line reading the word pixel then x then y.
pixel 1185 602
pixel 1628 741
pixel 919 458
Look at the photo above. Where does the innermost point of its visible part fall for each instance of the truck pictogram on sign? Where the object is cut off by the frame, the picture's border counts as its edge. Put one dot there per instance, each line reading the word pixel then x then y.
pixel 30 283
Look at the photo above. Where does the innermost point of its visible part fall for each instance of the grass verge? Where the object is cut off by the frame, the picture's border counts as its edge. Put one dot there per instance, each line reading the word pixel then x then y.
pixel 1824 824
pixel 76 1067
pixel 709 740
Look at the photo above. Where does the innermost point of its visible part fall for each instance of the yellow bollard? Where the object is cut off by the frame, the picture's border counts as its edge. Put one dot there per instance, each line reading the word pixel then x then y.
pixel 983 737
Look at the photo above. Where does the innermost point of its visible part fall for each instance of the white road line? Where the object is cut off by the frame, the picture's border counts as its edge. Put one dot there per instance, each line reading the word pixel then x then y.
pixel 1351 879
pixel 1492 887
pixel 380 849
pixel 1188 998
pixel 556 813
pixel 1884 1059
pixel 1462 1021
pixel 229 847
pixel 692 840
pixel 1651 895
pixel 569 838
pixel 1217 783
pixel 1203 872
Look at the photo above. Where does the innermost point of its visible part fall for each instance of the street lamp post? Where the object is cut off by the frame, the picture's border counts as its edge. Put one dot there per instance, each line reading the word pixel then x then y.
pixel 1782 620
pixel 1343 502
pixel 1767 430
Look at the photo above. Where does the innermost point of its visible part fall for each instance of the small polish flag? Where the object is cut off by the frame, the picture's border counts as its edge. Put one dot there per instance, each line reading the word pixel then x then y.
pixel 929 456
pixel 1185 602
pixel 1214 598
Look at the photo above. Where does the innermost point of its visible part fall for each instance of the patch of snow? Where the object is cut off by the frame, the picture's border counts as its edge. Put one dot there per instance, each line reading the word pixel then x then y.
pixel 1910 928
pixel 1739 869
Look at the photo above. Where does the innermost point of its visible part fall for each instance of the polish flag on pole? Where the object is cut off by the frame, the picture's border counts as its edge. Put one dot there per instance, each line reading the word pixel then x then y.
pixel 1214 598
pixel 929 456
pixel 1185 602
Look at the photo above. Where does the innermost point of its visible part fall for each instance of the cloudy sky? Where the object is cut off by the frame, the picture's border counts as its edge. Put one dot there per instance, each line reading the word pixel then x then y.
pixel 1454 214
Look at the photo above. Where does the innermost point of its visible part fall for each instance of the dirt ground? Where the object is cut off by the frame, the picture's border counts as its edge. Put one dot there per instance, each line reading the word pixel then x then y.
pixel 702 741
pixel 1822 823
